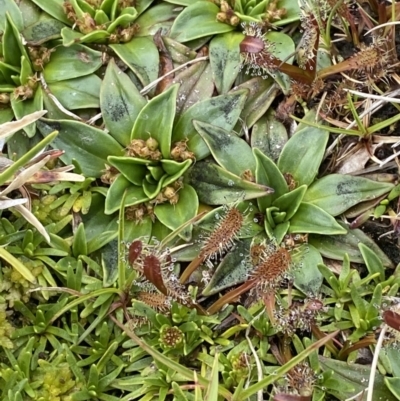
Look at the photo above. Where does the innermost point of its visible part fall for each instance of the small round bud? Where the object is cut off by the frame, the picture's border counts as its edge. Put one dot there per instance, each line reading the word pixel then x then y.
pixel 152 144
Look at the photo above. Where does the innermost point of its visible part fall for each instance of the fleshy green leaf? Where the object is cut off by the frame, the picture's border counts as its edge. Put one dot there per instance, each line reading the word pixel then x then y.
pixel 156 17
pixel 290 202
pixel 197 21
pixel 10 7
pixel 303 153
pixel 269 135
pixel 120 103
pixel 141 56
pixel 196 85
pixel 374 264
pixel 335 247
pixel 233 269
pixel 13 49
pixel 156 118
pixel 174 216
pixel 307 277
pixel 78 93
pixel 45 29
pixel 216 186
pixel 87 145
pixel 134 195
pixel 22 108
pixel 54 8
pixel 225 59
pixel 222 111
pixel 131 168
pixel 349 380
pixel 262 92
pixel 71 62
pixel 335 193
pixel 230 151
pixel 267 173
pixel 312 219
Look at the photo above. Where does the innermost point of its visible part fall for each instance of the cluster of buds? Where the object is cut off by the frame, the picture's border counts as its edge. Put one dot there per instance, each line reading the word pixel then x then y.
pixel 40 56
pixel 180 152
pixel 171 337
pixel 26 91
pixel 273 12
pixel 109 174
pixel 123 35
pixel 144 149
pixel 227 15
pixel 138 212
pixel 168 194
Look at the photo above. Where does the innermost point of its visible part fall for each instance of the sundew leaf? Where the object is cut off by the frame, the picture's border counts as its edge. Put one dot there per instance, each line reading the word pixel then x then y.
pixel 72 62
pixel 216 186
pixel 225 59
pixel 197 21
pixel 89 146
pixel 335 247
pixel 312 219
pixel 303 153
pixel 230 151
pixel 336 193
pixel 156 118
pixel 120 103
pixel 54 8
pixel 222 111
pixel 141 56
pixel 173 216
pixel 78 93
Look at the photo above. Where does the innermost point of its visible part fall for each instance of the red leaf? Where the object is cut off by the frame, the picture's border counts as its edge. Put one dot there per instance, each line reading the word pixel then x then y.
pixel 152 271
pixel 135 249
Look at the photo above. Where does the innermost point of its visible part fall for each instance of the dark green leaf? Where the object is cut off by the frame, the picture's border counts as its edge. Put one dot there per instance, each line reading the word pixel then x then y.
pixel 335 247
pixel 230 151
pixel 225 59
pixel 88 145
pixel 312 219
pixel 197 21
pixel 303 153
pixel 216 186
pixel 71 62
pixel 10 7
pixel 141 56
pixel 155 120
pixel 134 195
pixel 222 111
pixel 78 93
pixel 54 8
pixel 335 193
pixel 233 269
pixel 307 276
pixel 290 202
pixel 174 216
pixel 120 103
pixel 267 173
